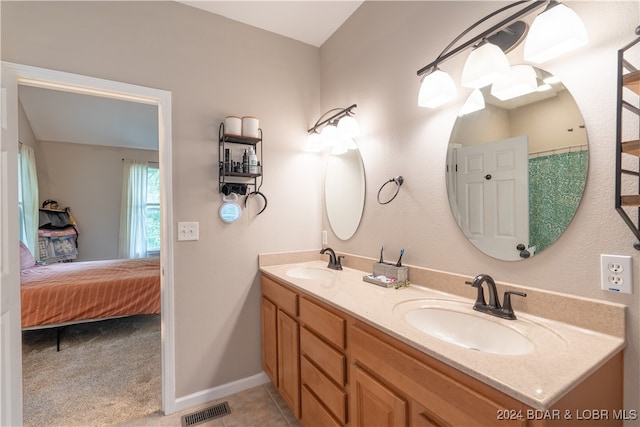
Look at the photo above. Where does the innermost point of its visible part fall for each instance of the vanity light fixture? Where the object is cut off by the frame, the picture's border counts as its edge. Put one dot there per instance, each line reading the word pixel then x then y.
pixel 336 131
pixel 555 31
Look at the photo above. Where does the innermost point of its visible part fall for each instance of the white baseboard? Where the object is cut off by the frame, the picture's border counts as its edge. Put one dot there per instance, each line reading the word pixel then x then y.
pixel 219 392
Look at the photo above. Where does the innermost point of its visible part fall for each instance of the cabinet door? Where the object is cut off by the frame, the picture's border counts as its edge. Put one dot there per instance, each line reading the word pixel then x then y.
pixel 269 340
pixel 289 361
pixel 422 417
pixel 373 403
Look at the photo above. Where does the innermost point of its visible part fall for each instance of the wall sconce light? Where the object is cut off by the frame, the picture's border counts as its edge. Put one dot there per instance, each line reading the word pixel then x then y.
pixel 554 32
pixel 336 131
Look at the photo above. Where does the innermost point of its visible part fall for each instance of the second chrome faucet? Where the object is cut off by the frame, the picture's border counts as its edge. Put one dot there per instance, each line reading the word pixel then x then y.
pixel 504 311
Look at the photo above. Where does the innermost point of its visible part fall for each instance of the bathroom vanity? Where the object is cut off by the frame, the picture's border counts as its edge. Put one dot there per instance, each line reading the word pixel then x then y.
pixel 341 352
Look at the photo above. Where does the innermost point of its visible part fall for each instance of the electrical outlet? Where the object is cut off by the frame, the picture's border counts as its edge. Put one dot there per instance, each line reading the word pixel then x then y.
pixel 616 272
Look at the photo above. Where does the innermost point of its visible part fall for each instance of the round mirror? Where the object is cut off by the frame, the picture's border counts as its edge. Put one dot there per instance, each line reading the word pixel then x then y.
pixel 516 168
pixel 344 189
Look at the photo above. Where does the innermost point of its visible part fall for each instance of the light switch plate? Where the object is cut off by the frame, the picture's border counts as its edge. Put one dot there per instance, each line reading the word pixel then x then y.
pixel 188 231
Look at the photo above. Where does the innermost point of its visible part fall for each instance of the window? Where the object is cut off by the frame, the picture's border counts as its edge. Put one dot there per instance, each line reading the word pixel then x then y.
pixel 28 198
pixel 140 210
pixel 153 210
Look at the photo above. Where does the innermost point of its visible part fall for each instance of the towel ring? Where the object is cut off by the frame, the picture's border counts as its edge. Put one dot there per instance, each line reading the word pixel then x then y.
pixel 398 180
pixel 259 194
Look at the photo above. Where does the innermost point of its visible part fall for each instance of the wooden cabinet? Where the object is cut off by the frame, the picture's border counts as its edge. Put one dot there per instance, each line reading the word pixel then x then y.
pixel 324 364
pixel 269 315
pixel 375 404
pixel 289 361
pixel 335 370
pixel 439 390
pixel 281 341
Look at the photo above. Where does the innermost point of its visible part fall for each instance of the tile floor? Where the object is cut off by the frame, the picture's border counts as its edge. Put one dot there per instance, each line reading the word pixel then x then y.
pixel 260 406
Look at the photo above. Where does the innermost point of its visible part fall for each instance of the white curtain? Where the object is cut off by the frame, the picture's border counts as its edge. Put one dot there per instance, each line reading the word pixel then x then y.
pixel 29 214
pixel 133 238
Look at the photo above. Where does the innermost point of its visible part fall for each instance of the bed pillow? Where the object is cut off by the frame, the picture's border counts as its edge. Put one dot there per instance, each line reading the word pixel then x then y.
pixel 26 259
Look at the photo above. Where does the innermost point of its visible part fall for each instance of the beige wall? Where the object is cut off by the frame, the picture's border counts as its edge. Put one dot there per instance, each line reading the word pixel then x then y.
pixel 213 67
pixel 372 61
pixel 88 179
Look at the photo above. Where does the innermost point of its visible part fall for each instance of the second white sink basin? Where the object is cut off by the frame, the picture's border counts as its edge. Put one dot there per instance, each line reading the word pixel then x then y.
pixel 312 273
pixel 468 330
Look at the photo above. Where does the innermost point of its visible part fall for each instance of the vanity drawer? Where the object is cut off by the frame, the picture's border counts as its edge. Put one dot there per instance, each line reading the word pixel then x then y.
pixel 327 324
pixel 284 298
pixel 313 413
pixel 438 390
pixel 334 398
pixel 333 362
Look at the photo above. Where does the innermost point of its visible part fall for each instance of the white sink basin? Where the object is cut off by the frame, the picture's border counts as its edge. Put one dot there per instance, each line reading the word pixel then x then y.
pixel 469 331
pixel 310 273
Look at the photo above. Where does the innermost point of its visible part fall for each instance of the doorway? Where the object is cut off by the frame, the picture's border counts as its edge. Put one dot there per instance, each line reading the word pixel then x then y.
pixel 14 75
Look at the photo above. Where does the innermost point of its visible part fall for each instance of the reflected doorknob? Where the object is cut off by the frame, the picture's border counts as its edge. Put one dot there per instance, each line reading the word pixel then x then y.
pixel 524 253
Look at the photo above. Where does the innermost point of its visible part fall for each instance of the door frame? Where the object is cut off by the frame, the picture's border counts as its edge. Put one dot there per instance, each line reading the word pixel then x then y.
pixel 49 79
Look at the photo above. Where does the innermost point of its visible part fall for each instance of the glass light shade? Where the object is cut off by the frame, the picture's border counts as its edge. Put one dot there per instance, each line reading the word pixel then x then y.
pixel 521 81
pixel 475 102
pixel 485 65
pixel 314 143
pixel 328 135
pixel 437 88
pixel 554 32
pixel 348 127
pixel 341 146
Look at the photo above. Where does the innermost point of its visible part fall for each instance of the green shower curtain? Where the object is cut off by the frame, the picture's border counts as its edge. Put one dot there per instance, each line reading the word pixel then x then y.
pixel 556 183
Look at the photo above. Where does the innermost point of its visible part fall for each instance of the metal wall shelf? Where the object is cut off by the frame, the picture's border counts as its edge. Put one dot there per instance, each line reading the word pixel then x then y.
pixel 238 177
pixel 628 86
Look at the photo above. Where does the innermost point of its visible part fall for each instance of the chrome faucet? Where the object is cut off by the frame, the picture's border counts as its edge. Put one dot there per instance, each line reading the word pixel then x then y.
pixel 334 261
pixel 494 308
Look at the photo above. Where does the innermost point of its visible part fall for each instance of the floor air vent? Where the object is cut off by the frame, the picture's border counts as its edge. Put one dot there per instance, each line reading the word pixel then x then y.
pixel 204 415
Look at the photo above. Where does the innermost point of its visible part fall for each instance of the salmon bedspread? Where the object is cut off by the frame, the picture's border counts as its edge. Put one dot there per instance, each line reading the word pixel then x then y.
pixel 91 290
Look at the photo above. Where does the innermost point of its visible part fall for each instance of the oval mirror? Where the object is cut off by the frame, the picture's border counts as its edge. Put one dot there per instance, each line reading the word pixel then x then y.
pixel 344 189
pixel 516 169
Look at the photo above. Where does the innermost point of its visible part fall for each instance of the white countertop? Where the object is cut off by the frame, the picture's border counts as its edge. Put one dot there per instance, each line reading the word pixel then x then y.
pixel 564 355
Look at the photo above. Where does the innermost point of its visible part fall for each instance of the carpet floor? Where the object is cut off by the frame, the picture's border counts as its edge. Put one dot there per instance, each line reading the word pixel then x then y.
pixel 106 373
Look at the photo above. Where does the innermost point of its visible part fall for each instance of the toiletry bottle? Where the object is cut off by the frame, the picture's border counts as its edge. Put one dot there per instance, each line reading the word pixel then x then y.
pixel 253 161
pixel 245 162
pixel 227 160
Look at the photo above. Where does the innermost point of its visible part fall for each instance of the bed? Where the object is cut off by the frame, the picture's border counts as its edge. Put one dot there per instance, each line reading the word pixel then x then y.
pixel 62 294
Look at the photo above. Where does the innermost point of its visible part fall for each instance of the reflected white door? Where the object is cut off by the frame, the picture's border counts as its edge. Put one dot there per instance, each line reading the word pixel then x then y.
pixel 493 196
pixel 10 336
